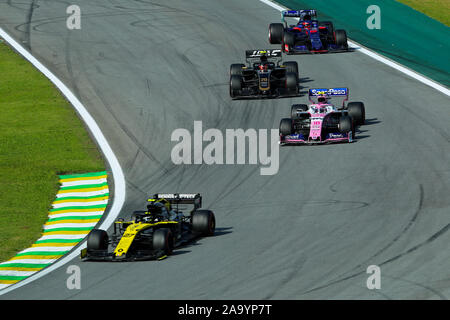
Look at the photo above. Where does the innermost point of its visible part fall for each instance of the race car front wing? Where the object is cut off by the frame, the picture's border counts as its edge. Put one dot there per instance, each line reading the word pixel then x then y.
pixel 330 138
pixel 105 255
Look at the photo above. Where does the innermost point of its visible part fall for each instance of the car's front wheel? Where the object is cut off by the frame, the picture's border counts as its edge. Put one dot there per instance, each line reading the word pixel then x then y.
pixel 97 240
pixel 296 108
pixel 345 124
pixel 341 38
pixel 288 39
pixel 163 240
pixel 285 126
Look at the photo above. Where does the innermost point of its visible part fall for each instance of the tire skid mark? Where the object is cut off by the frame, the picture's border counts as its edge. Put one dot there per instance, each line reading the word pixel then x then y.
pixel 27 40
pixel 413 249
pixel 402 232
pixel 393 241
pixel 434 291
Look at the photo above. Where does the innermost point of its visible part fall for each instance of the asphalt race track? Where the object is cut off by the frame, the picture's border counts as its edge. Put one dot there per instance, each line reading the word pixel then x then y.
pixel 146 68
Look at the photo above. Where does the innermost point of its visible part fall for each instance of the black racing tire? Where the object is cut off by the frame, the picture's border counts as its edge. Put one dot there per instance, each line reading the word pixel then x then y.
pixel 291 66
pixel 276 31
pixel 341 38
pixel 345 124
pixel 286 126
pixel 203 222
pixel 163 240
pixel 289 38
pixel 298 107
pixel 235 85
pixel 97 240
pixel 329 25
pixel 236 69
pixel 291 83
pixel 357 111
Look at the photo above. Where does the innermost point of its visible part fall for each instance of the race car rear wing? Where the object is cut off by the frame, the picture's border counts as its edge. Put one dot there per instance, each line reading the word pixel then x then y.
pixel 299 13
pixel 273 55
pixel 269 53
pixel 331 92
pixel 179 198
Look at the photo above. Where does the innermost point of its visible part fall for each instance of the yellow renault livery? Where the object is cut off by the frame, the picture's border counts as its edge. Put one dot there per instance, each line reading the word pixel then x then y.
pixel 152 234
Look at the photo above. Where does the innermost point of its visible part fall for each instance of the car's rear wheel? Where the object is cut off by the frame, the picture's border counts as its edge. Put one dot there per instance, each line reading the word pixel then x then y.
pixel 328 36
pixel 291 82
pixel 357 111
pixel 235 85
pixel 204 222
pixel 163 240
pixel 328 25
pixel 97 240
pixel 276 33
pixel 236 69
pixel 286 126
pixel 291 66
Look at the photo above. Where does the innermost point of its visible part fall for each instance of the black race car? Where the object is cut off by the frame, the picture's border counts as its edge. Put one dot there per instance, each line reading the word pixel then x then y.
pixel 264 76
pixel 152 234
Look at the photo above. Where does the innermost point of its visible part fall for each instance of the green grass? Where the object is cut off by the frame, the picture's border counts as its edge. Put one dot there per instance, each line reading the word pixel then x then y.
pixel 436 9
pixel 41 136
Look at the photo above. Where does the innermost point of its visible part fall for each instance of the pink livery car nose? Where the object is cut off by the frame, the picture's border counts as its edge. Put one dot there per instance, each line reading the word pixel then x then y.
pixel 315 130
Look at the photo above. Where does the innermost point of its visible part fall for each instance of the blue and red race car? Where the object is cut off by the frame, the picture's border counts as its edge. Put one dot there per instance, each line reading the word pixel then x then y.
pixel 307 35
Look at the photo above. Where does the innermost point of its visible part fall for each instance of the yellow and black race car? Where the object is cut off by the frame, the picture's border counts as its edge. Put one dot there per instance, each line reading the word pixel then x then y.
pixel 152 234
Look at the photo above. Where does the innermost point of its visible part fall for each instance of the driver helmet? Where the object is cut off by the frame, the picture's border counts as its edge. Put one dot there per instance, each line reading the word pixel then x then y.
pixel 156 209
pixel 263 66
pixel 306 24
pixel 322 99
pixel 166 203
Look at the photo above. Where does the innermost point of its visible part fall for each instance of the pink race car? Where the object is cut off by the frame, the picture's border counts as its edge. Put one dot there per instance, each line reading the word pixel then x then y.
pixel 322 122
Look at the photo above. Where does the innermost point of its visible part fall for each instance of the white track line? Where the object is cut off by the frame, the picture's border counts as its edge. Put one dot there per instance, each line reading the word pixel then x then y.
pixel 16 273
pixel 47 249
pixel 61 236
pixel 78 204
pixel 80 224
pixel 413 74
pixel 28 261
pixel 117 173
